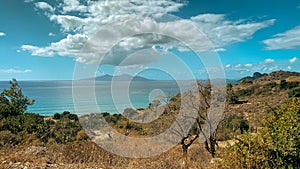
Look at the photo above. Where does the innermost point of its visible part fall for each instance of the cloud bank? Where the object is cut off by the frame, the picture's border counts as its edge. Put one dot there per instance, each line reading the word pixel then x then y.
pixel 81 21
pixel 15 71
pixel 287 40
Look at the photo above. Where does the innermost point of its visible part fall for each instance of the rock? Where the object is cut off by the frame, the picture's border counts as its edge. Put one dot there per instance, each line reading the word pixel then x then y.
pixel 215 160
pixel 34 150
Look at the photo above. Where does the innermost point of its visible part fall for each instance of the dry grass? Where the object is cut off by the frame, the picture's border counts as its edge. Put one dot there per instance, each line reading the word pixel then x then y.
pixel 88 155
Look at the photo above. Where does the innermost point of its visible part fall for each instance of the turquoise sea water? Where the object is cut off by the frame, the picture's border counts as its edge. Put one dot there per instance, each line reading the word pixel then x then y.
pixel 56 96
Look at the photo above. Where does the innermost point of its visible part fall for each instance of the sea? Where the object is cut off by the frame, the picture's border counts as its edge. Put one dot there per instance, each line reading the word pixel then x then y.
pixel 100 96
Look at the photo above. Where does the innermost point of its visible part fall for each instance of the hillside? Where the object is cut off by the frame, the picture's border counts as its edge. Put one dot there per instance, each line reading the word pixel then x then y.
pixel 263 93
pixel 59 142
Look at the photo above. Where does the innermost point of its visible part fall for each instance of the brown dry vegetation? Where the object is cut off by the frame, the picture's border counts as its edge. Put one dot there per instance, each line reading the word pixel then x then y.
pixel 256 98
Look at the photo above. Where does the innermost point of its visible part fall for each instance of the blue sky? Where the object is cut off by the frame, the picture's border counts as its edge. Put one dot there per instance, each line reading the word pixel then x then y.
pixel 44 40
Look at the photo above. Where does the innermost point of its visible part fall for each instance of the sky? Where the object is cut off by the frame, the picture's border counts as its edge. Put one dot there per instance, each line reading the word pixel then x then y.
pixel 49 40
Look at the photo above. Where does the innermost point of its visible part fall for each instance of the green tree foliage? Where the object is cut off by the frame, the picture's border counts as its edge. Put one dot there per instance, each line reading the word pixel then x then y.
pixel 56 116
pixel 283 85
pixel 29 122
pixel 65 130
pixel 276 145
pixel 12 101
pixel 15 124
pixel 231 126
pixel 231 97
pixel 245 92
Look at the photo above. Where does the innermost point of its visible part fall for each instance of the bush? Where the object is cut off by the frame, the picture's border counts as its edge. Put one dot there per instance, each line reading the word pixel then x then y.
pixel 56 116
pixel 28 122
pixel 105 114
pixel 67 115
pixel 294 92
pixel 81 135
pixel 73 117
pixel 8 138
pixel 65 130
pixel 271 85
pixel 288 85
pixel 231 97
pixel 231 126
pixel 246 81
pixel 276 145
pixel 245 92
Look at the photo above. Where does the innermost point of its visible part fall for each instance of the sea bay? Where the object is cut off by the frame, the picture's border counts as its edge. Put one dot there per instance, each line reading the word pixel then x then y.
pixel 57 96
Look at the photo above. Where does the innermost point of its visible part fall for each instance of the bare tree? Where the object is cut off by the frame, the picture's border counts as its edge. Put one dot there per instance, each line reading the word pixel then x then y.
pixel 199 101
pixel 204 90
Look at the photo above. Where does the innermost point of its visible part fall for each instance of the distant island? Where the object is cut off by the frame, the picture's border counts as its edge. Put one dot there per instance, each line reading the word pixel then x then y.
pixel 127 77
pixel 124 77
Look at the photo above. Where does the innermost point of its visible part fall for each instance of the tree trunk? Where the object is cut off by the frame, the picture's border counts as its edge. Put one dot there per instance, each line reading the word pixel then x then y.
pixel 185 156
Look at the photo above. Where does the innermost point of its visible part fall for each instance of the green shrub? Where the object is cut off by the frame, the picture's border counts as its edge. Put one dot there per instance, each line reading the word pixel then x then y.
pixel 57 116
pixel 276 145
pixel 28 122
pixel 246 81
pixel 73 117
pixel 65 130
pixel 270 85
pixel 245 92
pixel 105 114
pixel 12 101
pixel 288 85
pixel 231 97
pixel 294 92
pixel 232 126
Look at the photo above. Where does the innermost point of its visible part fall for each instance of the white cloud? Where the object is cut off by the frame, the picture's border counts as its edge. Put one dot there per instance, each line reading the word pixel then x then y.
pixel 51 34
pixel 2 34
pixel 220 50
pixel 69 23
pixel 269 61
pixel 228 66
pixel 73 5
pixel 15 71
pixel 28 1
pixel 135 17
pixel 44 6
pixel 287 40
pixel 130 69
pixel 36 51
pixel 238 66
pixel 70 46
pixel 224 32
pixel 293 60
pixel 265 66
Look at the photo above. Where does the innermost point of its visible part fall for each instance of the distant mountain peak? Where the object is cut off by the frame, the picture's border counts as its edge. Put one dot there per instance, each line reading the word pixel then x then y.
pixel 276 75
pixel 124 77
